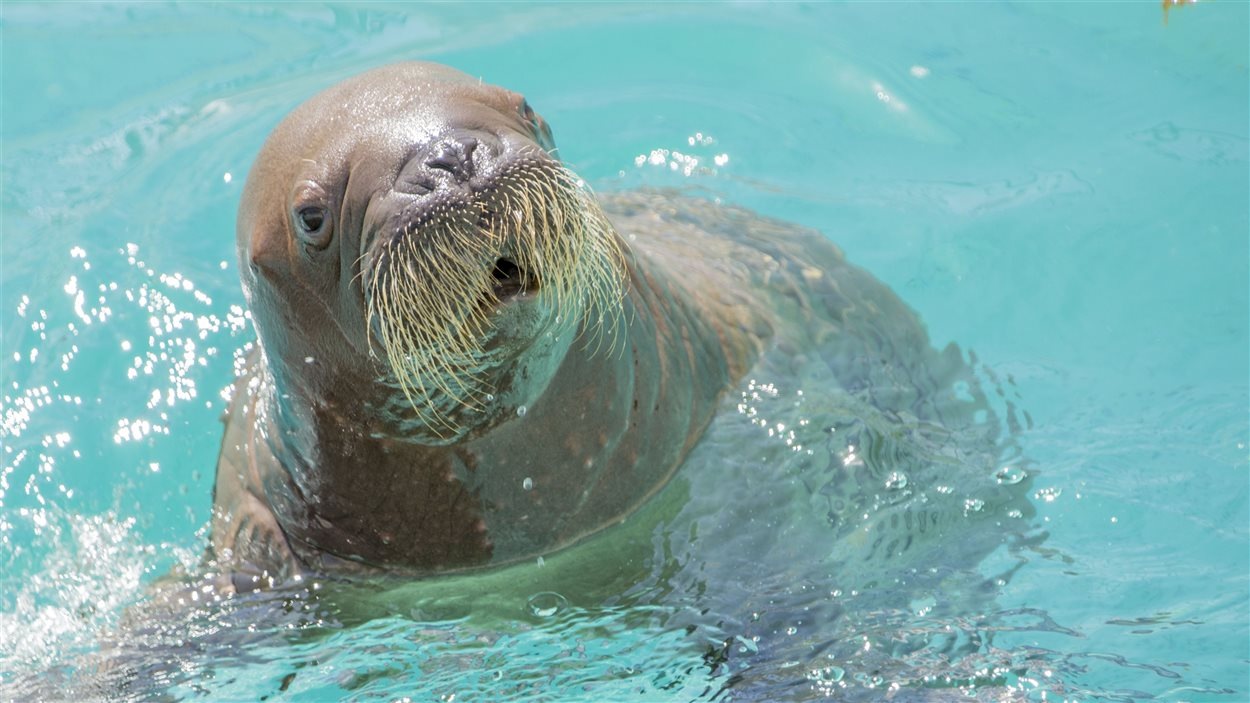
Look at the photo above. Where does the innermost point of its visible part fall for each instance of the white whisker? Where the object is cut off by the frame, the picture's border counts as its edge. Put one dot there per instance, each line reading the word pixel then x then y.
pixel 431 292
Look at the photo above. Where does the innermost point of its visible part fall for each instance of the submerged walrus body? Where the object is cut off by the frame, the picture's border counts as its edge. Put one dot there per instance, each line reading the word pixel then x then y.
pixel 465 359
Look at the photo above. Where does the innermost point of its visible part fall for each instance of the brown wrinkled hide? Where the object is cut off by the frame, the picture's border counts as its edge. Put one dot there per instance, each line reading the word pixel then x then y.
pixel 315 475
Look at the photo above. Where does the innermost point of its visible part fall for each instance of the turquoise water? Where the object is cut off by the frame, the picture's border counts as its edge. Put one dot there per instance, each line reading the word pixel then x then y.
pixel 1061 188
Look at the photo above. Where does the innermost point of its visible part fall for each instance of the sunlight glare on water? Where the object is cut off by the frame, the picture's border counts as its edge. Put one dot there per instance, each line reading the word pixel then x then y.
pixel 1061 188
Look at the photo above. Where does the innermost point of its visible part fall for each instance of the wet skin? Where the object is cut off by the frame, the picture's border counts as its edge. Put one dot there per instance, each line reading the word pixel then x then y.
pixel 326 467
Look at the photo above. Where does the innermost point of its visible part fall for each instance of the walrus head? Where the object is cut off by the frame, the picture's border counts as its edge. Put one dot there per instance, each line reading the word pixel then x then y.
pixel 409 235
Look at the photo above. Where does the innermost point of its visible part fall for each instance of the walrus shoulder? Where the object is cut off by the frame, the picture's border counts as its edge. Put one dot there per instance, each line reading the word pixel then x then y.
pixel 799 292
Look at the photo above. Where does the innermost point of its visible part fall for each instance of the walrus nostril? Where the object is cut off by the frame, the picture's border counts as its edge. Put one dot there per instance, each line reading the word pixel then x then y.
pixel 444 161
pixel 455 156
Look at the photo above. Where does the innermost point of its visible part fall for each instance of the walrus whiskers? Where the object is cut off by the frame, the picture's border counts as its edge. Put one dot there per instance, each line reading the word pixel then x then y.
pixel 361 437
pixel 431 293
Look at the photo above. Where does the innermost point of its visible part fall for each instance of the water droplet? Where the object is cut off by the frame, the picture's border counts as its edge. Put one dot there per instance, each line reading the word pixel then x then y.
pixel 1049 495
pixel 490 397
pixel 828 674
pixel 520 411
pixel 791 630
pixel 546 604
pixel 897 480
pixel 528 483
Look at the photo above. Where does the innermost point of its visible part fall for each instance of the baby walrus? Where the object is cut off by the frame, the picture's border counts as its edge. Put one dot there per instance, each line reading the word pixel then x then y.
pixel 467 359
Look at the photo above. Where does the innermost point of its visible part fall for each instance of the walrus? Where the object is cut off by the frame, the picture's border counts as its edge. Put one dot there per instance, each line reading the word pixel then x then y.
pixel 465 358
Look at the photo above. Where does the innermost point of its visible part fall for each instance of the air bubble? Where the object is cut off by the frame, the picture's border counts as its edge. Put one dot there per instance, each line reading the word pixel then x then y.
pixel 828 674
pixel 528 483
pixel 1048 495
pixel 1010 475
pixel 546 604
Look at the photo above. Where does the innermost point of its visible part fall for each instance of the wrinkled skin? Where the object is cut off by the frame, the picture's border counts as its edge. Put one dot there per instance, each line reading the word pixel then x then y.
pixel 323 467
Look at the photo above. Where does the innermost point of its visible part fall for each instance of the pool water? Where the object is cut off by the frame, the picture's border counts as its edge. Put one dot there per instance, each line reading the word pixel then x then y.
pixel 1063 189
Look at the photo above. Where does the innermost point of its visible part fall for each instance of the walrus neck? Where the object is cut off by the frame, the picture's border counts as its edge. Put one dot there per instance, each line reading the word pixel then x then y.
pixel 348 497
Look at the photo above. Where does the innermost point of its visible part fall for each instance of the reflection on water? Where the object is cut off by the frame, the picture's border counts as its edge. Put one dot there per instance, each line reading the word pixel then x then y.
pixel 839 555
pixel 819 545
pixel 819 541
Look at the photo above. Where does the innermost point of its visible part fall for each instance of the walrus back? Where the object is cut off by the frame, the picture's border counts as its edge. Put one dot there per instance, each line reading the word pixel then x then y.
pixel 774 283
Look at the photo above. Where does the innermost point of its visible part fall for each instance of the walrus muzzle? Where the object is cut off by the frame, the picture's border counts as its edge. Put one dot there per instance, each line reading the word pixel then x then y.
pixel 521 231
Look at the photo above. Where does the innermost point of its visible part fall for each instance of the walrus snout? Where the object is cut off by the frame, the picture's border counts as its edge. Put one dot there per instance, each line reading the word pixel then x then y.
pixel 454 155
pixel 455 160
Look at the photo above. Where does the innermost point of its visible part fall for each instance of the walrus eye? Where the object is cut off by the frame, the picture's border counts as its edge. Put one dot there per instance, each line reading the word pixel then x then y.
pixel 311 220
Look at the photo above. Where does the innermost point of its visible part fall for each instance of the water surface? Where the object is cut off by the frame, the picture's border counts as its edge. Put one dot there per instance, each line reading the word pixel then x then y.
pixel 1061 188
